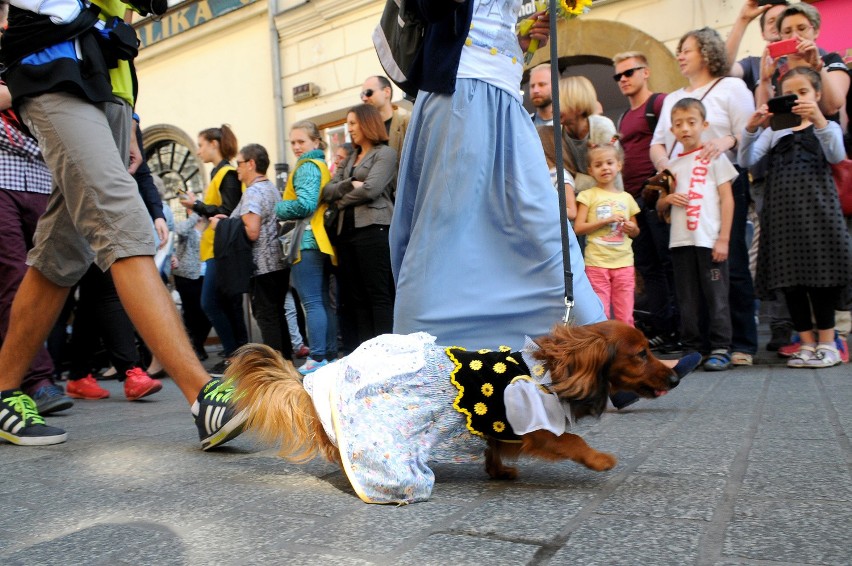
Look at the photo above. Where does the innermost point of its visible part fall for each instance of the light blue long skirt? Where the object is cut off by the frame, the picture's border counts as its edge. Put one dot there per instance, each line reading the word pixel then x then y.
pixel 476 249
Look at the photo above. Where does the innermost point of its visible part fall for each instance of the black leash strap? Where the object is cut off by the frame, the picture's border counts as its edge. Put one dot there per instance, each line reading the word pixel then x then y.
pixel 560 168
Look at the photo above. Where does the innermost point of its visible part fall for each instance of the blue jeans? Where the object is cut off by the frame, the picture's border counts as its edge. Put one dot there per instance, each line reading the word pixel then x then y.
pixel 310 278
pixel 225 313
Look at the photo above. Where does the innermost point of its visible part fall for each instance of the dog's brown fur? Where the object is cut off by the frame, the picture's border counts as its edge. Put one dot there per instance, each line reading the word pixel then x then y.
pixel 585 363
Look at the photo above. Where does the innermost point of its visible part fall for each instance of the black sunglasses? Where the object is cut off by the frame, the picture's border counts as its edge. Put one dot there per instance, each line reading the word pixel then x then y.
pixel 367 93
pixel 628 73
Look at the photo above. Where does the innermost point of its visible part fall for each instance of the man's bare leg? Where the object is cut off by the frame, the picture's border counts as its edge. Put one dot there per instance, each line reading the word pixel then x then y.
pixel 156 318
pixel 35 309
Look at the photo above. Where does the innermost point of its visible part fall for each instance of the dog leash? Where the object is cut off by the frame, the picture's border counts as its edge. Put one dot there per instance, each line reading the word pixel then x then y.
pixel 560 170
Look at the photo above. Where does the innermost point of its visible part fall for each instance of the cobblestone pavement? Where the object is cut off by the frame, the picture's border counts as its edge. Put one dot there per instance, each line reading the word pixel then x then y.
pixel 750 466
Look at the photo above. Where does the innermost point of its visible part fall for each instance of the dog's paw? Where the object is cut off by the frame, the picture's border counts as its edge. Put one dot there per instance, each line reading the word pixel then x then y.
pixel 503 473
pixel 601 461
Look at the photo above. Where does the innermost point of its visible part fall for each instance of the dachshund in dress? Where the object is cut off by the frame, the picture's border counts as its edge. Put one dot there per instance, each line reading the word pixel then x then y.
pixel 585 364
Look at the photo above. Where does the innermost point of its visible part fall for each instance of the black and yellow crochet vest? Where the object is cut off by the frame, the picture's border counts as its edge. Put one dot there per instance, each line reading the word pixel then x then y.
pixel 481 378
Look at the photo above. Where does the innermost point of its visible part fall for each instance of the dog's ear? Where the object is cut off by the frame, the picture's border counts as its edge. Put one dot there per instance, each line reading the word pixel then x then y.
pixel 578 358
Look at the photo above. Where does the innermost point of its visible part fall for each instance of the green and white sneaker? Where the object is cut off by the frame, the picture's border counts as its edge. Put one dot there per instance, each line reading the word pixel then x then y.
pixel 21 424
pixel 214 414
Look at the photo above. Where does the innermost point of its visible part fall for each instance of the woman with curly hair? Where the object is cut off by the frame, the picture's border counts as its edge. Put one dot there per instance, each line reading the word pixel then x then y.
pixel 703 61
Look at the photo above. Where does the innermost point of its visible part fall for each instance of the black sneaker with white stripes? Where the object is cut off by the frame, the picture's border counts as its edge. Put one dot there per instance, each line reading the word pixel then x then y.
pixel 21 424
pixel 214 414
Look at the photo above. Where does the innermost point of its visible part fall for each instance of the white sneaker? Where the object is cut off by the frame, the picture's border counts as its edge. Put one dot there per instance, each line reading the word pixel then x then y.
pixel 824 357
pixel 801 358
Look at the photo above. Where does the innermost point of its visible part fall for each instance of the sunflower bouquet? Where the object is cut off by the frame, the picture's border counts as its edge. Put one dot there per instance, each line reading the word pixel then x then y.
pixel 565 9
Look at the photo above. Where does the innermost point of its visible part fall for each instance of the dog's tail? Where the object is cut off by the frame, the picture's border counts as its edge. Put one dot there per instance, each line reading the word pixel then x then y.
pixel 279 409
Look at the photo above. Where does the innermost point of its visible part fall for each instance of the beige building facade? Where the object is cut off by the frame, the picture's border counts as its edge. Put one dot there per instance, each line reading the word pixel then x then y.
pixel 261 67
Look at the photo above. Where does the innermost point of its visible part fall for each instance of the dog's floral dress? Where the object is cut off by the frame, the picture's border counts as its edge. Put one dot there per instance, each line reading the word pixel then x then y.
pixel 388 407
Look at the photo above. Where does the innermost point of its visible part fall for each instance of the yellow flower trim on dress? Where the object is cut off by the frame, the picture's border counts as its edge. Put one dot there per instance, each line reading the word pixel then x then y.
pixel 499 367
pixel 476 365
pixel 480 409
pixel 499 426
pixel 538 370
pixel 511 359
pixel 505 349
pixel 487 389
pixel 483 351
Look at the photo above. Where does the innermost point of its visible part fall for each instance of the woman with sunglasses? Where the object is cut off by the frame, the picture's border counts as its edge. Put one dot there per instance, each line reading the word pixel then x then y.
pixel 802 22
pixel 703 60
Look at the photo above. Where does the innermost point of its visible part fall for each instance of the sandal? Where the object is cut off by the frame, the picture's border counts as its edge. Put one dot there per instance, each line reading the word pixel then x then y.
pixel 742 359
pixel 718 361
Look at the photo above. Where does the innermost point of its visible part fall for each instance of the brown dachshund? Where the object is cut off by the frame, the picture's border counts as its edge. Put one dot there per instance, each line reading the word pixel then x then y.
pixel 584 363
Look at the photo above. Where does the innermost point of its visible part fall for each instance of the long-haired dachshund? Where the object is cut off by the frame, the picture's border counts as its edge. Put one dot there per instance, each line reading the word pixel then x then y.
pixel 400 401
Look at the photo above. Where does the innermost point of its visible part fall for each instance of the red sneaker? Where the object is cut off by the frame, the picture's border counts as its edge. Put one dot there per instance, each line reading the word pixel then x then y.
pixel 138 384
pixel 789 349
pixel 86 388
pixel 842 347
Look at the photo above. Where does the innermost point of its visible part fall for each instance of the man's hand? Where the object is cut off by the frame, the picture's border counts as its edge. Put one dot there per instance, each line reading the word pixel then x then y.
pixel 135 153
pixel 162 230
pixel 752 10
pixel 540 30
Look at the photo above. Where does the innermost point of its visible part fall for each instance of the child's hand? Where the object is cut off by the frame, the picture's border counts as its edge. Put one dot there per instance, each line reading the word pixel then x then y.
pixel 720 251
pixel 677 199
pixel 759 119
pixel 630 228
pixel 809 110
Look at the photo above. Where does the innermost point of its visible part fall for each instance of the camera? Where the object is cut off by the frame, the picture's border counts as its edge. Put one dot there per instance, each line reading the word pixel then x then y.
pixel 150 7
pixel 781 108
pixel 783 47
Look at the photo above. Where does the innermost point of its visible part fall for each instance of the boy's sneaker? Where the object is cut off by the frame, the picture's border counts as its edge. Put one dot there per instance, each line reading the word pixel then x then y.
pixel 138 384
pixel 85 388
pixel 214 414
pixel 21 424
pixel 824 357
pixel 311 366
pixel 51 399
pixel 802 357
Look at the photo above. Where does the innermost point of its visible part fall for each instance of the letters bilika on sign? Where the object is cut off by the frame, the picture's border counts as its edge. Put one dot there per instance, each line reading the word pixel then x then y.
pixel 185 17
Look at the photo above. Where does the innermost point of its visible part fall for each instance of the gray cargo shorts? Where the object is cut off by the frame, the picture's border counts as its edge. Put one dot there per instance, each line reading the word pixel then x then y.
pixel 95 212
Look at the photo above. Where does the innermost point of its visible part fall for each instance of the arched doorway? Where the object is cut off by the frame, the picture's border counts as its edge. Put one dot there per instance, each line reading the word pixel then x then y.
pixel 586 47
pixel 170 154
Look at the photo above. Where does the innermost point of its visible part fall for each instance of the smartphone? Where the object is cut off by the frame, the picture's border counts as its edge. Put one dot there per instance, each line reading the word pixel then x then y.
pixel 781 108
pixel 772 2
pixel 783 47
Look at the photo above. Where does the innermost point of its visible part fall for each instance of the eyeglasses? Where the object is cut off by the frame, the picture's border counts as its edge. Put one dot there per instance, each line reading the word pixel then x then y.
pixel 241 162
pixel 800 30
pixel 628 73
pixel 367 93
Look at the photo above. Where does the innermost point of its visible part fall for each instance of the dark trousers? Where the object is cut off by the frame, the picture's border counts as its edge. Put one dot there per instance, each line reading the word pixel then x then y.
pixel 19 214
pixel 100 315
pixel 223 311
pixel 802 301
pixel 197 324
pixel 741 292
pixel 699 280
pixel 652 259
pixel 366 282
pixel 268 292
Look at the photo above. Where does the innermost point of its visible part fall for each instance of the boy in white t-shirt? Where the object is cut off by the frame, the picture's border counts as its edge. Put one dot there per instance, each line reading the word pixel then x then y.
pixel 702 211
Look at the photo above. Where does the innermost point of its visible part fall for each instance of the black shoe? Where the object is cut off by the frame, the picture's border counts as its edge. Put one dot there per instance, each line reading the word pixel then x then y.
pixel 623 399
pixel 51 399
pixel 215 419
pixel 21 424
pixel 780 337
pixel 672 346
pixel 688 364
pixel 219 369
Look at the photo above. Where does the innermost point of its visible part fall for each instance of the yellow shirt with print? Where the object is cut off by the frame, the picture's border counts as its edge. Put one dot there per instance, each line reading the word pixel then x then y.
pixel 608 246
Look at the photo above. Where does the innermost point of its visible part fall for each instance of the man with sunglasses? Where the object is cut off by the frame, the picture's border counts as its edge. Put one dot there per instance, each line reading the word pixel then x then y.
pixel 651 247
pixel 378 92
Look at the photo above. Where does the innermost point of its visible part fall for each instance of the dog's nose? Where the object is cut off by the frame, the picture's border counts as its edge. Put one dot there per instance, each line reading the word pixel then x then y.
pixel 674 379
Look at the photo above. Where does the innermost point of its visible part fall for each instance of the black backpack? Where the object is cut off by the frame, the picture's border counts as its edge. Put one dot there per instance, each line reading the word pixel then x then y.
pixel 398 39
pixel 650 116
